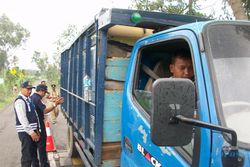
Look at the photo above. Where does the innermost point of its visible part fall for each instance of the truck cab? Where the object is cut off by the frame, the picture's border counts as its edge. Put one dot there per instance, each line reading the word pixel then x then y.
pixel 220 98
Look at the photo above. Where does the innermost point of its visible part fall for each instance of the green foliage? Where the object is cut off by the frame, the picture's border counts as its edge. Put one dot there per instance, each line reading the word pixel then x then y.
pixel 46 70
pixel 66 37
pixel 6 96
pixel 12 36
pixel 246 5
pixel 169 6
pixel 3 59
pixel 10 78
pixel 16 76
pixel 13 76
pixel 52 74
pixel 41 61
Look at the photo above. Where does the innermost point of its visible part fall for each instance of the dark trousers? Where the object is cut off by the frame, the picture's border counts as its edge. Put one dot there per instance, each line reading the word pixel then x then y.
pixel 41 145
pixel 29 151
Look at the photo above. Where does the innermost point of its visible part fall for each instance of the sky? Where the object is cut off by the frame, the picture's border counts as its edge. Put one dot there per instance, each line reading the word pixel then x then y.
pixel 47 19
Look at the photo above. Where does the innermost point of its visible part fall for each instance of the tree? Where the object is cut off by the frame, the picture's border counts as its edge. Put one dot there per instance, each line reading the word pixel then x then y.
pixel 240 8
pixel 246 5
pixel 52 70
pixel 13 76
pixel 51 74
pixel 169 6
pixel 12 36
pixel 41 61
pixel 66 37
pixel 46 69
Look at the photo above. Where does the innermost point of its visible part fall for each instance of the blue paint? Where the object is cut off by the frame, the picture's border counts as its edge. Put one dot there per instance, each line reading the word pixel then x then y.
pixel 112 105
pixel 101 59
pixel 116 69
pixel 112 116
pixel 119 62
pixel 112 131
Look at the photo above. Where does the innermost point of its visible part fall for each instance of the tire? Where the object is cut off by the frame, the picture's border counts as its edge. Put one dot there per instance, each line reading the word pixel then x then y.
pixel 72 152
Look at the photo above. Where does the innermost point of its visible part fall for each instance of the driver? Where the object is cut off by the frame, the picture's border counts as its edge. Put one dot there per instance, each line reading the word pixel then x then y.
pixel 181 66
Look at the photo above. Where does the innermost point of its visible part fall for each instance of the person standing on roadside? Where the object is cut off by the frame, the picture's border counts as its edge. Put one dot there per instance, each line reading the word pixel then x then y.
pixel 43 82
pixel 53 95
pixel 15 89
pixel 27 126
pixel 45 98
pixel 41 109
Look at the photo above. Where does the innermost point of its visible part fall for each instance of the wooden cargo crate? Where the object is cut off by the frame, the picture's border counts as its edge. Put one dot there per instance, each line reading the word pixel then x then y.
pixel 112 115
pixel 116 69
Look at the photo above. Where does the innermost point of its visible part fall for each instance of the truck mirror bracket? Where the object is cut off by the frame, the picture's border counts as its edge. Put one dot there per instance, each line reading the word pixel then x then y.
pixel 230 154
pixel 198 123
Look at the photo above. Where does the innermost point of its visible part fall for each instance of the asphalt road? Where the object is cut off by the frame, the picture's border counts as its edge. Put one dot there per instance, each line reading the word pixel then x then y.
pixel 59 132
pixel 10 146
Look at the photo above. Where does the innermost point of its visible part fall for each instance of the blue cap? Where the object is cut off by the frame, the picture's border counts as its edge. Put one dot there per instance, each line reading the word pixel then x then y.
pixel 27 84
pixel 42 87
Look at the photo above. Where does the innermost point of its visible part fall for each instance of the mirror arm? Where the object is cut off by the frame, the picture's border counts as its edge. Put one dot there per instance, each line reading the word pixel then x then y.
pixel 194 122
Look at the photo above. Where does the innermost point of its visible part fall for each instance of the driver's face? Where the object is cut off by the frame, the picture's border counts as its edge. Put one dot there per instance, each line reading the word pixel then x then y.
pixel 182 68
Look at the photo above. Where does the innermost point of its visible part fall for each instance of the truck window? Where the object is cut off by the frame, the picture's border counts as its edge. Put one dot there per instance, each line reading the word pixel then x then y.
pixel 154 61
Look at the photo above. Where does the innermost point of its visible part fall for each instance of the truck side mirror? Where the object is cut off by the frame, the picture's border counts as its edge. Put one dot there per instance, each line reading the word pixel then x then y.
pixel 171 97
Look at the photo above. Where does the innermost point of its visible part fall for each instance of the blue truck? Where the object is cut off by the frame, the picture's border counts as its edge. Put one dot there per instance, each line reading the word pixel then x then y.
pixel 114 120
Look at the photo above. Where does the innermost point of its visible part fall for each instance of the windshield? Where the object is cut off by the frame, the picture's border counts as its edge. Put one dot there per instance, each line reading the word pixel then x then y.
pixel 230 52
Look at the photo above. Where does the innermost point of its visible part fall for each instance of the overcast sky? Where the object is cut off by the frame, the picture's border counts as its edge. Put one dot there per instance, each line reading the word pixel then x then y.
pixel 47 19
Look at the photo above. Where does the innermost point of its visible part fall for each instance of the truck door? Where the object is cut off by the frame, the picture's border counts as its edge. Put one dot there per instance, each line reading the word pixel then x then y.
pixel 150 59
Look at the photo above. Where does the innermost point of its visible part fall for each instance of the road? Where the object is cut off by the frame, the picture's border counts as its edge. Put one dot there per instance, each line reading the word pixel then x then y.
pixel 10 146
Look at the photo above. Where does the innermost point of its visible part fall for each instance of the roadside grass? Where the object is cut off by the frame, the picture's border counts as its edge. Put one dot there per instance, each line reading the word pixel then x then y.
pixel 6 101
pixel 6 97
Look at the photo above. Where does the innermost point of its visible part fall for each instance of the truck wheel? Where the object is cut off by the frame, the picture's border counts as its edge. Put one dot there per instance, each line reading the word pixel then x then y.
pixel 72 152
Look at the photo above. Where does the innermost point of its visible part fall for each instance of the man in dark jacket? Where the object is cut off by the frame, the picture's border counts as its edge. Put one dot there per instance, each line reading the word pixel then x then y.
pixel 41 109
pixel 27 126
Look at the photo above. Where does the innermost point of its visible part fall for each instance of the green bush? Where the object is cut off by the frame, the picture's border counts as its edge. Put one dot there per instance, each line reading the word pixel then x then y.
pixel 10 79
pixel 6 96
